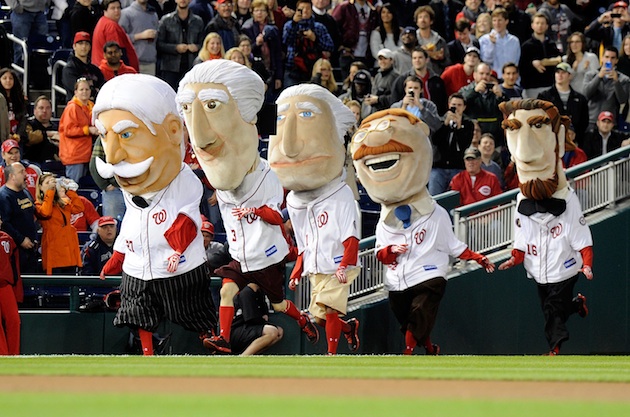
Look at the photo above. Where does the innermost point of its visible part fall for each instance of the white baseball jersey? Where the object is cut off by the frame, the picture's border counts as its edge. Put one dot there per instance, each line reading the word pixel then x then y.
pixel 142 230
pixel 322 224
pixel 430 241
pixel 552 244
pixel 254 243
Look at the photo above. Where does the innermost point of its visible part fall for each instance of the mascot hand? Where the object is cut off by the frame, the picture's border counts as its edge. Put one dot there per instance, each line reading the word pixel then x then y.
pixel 588 272
pixel 507 264
pixel 239 213
pixel 293 282
pixel 398 249
pixel 173 262
pixel 486 264
pixel 341 275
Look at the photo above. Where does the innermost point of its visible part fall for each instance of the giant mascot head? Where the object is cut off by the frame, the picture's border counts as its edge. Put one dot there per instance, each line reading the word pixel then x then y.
pixel 536 133
pixel 141 132
pixel 219 100
pixel 392 155
pixel 308 150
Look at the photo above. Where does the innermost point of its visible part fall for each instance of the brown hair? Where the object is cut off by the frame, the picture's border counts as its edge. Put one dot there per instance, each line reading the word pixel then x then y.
pixel 393 112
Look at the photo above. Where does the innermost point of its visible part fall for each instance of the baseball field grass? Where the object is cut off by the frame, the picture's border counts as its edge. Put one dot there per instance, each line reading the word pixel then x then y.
pixel 347 386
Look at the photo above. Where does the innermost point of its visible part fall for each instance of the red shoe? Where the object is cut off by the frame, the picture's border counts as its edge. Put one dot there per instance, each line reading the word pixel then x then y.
pixel 217 344
pixel 353 335
pixel 582 308
pixel 435 350
pixel 312 334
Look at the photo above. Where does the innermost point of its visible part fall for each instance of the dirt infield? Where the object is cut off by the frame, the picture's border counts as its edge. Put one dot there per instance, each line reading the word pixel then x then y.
pixel 336 387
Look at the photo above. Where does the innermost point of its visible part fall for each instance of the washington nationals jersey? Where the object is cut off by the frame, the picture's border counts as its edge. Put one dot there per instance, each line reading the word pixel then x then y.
pixel 253 242
pixel 322 225
pixel 430 241
pixel 552 243
pixel 142 230
pixel 8 261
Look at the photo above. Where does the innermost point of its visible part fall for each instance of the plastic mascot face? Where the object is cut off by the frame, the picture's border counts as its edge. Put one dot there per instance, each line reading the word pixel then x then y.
pixel 306 152
pixel 392 156
pixel 127 139
pixel 532 143
pixel 226 146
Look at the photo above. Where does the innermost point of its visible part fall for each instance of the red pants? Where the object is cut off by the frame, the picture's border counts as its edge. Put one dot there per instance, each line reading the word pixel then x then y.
pixel 10 319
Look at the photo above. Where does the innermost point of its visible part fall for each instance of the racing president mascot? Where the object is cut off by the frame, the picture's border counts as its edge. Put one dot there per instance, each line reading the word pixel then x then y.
pixel 551 237
pixel 160 249
pixel 308 155
pixel 414 236
pixel 220 100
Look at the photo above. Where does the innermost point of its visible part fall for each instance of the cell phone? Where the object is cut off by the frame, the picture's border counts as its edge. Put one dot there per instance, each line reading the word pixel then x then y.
pixel 411 93
pixel 615 15
pixel 452 109
pixel 608 66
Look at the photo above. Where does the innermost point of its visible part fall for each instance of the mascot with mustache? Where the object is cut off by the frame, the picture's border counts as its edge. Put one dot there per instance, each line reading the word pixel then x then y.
pixel 160 248
pixel 551 237
pixel 414 236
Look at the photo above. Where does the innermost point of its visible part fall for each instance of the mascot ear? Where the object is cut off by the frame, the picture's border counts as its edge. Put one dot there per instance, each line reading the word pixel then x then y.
pixel 561 138
pixel 174 128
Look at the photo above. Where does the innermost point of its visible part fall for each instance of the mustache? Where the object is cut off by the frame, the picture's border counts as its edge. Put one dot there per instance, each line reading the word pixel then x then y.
pixel 122 169
pixel 391 146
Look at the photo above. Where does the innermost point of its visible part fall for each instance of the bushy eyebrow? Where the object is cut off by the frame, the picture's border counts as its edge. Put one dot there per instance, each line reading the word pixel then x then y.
pixel 122 125
pixel 534 120
pixel 213 94
pixel 513 124
pixel 307 105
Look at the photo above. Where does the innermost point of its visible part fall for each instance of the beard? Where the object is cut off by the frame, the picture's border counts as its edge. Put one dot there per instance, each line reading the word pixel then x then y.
pixel 539 189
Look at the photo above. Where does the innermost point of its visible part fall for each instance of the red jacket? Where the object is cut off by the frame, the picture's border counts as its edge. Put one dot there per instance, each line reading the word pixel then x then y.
pixel 107 30
pixel 75 140
pixel 10 266
pixel 108 73
pixel 83 220
pixel 486 186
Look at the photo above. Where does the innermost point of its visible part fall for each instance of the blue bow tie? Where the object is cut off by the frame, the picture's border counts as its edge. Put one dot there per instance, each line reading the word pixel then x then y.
pixel 403 213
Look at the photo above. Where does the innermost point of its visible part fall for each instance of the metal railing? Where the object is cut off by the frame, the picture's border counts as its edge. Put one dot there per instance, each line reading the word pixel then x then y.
pixel 54 88
pixel 22 70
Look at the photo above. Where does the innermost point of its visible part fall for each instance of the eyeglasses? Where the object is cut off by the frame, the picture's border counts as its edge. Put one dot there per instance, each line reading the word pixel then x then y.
pixel 362 133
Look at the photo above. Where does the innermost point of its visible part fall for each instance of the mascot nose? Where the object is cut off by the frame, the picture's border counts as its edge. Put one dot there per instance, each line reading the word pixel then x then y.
pixel 201 133
pixel 291 144
pixel 114 153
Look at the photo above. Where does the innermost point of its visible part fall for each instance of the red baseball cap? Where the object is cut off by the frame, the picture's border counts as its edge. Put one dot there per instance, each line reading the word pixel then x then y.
pixel 207 227
pixel 9 144
pixel 106 220
pixel 82 37
pixel 620 4
pixel 606 115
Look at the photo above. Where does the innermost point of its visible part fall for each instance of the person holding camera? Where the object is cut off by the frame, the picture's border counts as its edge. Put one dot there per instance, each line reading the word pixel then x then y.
pixel 413 102
pixel 381 96
pixel 611 26
pixel 306 41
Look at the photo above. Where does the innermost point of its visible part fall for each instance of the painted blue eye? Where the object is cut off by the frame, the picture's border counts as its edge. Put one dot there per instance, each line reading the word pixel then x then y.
pixel 306 114
pixel 281 117
pixel 126 135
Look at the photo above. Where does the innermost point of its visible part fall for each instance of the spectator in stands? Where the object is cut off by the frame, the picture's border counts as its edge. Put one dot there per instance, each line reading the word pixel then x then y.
pixel 603 138
pixel 445 13
pixel 84 16
pixel 573 154
pixel 402 55
pixel 212 48
pixel 27 18
pixel 623 65
pixel 180 34
pixel 457 76
pixel 580 60
pixel 18 216
pixel 11 89
pixel 85 221
pixel 458 47
pixel 11 293
pixel 387 33
pixel 433 87
pixel 79 66
pixel 56 202
pixel 413 102
pixel 483 25
pixel 359 89
pixel 499 46
pixel 482 100
pixel 323 75
pixel 356 20
pixel 354 68
pixel 111 195
pixel 5 128
pixel 97 251
pixel 471 11
pixel 474 184
pixel 112 65
pixel 306 41
pixel 450 141
pixel 568 101
pixel 163 7
pixel 11 154
pixel 251 331
pixel 488 153
pixel 610 27
pixel 237 55
pixel 519 22
pixel 207 230
pixel 256 63
pixel 381 95
pixel 76 132
pixel 539 57
pixel 267 47
pixel 606 89
pixel 204 9
pixel 140 21
pixel 430 40
pixel 321 14
pixel 242 12
pixel 108 29
pixel 510 77
pixel 225 24
pixel 561 19
pixel 40 136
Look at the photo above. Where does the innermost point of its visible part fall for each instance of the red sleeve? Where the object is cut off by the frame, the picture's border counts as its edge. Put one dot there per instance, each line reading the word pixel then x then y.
pixel 469 255
pixel 181 233
pixel 18 288
pixel 386 256
pixel 519 256
pixel 89 212
pixel 298 268
pixel 587 256
pixel 496 185
pixel 350 252
pixel 269 215
pixel 114 264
